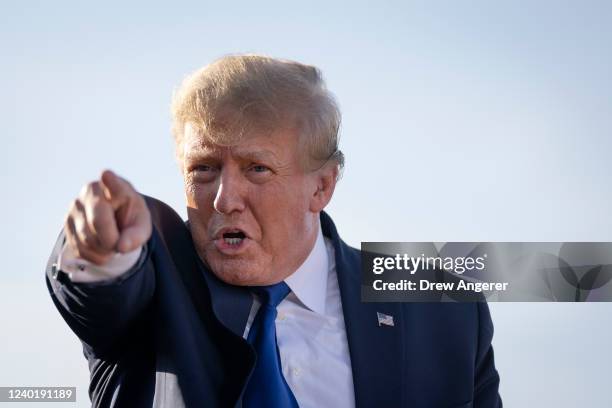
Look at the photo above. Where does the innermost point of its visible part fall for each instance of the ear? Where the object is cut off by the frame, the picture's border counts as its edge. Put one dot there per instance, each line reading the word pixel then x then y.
pixel 326 179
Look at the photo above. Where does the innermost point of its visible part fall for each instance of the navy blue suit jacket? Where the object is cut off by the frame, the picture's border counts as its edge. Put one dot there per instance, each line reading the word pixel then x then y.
pixel 169 333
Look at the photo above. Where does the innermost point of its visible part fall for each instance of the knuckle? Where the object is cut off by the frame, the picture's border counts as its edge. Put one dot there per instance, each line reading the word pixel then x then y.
pixel 89 188
pixel 99 206
pixel 83 191
pixel 90 241
pixel 80 231
pixel 70 236
pixel 99 222
pixel 74 205
pixel 69 218
pixel 87 236
pixel 79 205
pixel 95 187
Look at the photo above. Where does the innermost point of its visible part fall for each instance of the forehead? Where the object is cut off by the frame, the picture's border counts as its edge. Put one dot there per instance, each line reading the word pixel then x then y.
pixel 277 145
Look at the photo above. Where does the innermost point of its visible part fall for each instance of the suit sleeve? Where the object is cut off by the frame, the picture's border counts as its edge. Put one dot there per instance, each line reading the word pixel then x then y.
pixel 486 383
pixel 99 313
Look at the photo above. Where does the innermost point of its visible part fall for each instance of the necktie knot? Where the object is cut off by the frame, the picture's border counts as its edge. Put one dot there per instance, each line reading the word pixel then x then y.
pixel 272 295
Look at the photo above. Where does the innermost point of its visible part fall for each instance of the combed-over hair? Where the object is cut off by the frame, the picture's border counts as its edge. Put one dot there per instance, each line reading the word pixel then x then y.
pixel 238 95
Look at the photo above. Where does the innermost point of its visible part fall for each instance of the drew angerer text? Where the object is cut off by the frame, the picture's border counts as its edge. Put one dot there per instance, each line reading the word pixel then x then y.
pixel 424 284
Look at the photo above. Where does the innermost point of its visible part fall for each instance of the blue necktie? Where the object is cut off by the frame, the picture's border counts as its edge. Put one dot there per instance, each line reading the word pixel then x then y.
pixel 267 387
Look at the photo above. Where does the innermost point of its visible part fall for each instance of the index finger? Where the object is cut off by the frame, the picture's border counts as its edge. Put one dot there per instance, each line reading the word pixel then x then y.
pixel 116 190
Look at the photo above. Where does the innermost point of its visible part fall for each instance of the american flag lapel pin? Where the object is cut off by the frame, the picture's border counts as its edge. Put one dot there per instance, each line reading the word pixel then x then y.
pixel 384 319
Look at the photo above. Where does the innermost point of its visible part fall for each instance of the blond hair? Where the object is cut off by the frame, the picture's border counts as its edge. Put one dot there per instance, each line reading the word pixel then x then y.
pixel 239 94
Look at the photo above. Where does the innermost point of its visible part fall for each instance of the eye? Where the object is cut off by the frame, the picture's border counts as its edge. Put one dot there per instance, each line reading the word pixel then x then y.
pixel 258 168
pixel 203 172
pixel 204 168
pixel 259 173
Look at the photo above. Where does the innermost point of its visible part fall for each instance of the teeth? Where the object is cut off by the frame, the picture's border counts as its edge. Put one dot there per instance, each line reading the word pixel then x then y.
pixel 233 241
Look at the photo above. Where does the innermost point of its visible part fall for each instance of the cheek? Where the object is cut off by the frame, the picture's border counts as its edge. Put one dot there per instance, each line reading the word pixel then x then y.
pixel 282 213
pixel 199 211
pixel 198 221
pixel 198 197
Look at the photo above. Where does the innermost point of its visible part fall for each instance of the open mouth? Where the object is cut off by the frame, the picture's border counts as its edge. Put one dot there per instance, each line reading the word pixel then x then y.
pixel 231 240
pixel 234 238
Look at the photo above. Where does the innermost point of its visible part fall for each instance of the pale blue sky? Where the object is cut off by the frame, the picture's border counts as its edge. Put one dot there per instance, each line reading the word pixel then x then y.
pixel 463 121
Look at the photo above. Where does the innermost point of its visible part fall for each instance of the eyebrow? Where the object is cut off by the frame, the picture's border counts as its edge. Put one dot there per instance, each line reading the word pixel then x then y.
pixel 255 155
pixel 204 153
pixel 201 154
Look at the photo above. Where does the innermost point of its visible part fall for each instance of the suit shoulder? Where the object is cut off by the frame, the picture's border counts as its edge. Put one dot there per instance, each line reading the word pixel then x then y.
pixel 160 211
pixel 353 252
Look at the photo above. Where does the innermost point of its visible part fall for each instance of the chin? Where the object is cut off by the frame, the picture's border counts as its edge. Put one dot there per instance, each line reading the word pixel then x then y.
pixel 239 272
pixel 252 268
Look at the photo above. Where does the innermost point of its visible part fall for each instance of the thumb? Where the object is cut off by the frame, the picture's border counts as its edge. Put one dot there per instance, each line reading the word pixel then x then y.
pixel 132 237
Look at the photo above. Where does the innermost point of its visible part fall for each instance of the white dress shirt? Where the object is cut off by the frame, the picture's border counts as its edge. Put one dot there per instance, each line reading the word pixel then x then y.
pixel 310 328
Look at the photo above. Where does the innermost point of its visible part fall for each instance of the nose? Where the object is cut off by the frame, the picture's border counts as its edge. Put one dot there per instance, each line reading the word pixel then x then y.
pixel 230 193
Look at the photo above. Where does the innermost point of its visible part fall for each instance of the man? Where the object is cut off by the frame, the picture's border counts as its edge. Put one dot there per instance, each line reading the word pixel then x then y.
pixel 255 301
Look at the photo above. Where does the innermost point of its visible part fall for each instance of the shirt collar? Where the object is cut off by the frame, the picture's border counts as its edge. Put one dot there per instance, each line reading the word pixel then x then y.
pixel 309 281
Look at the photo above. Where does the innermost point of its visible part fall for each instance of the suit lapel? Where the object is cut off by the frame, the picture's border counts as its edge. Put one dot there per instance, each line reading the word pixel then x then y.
pixel 231 304
pixel 376 350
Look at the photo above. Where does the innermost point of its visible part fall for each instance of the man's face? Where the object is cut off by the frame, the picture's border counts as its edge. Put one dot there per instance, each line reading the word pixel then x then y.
pixel 250 206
